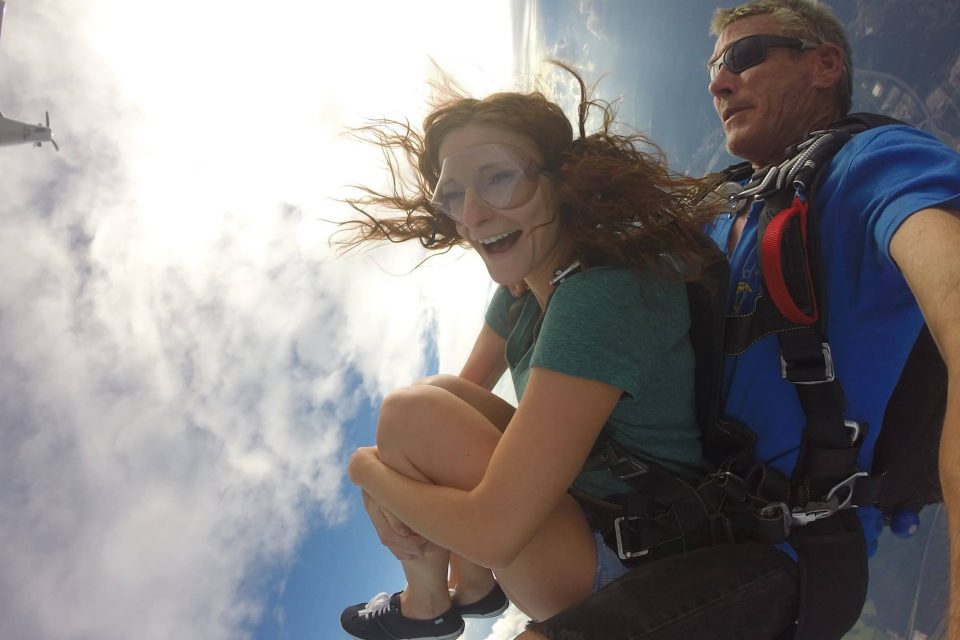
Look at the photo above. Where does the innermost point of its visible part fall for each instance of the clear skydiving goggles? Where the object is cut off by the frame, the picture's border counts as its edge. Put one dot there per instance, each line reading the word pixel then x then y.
pixel 501 175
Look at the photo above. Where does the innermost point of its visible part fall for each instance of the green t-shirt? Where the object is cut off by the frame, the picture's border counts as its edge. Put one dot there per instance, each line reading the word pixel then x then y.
pixel 611 325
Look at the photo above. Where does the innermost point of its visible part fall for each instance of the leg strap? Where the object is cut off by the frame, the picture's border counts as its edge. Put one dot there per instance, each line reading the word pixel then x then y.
pixel 833 575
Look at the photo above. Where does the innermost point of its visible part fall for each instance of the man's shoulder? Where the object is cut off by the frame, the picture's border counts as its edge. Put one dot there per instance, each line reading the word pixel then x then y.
pixel 889 159
pixel 890 140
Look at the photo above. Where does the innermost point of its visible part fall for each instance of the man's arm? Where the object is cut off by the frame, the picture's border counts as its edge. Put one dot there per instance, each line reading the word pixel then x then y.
pixel 926 247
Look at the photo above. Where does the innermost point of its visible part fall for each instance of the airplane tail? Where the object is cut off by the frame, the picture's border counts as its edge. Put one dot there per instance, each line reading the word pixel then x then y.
pixel 52 141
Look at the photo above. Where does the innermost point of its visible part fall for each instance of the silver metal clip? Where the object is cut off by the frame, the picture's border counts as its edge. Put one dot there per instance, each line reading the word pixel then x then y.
pixel 834 502
pixel 638 468
pixel 626 555
pixel 760 190
pixel 847 501
pixel 801 516
pixel 855 430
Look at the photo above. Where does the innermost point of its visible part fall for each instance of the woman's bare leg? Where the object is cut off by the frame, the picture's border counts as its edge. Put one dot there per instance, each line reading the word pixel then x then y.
pixel 471 581
pixel 494 408
pixel 432 435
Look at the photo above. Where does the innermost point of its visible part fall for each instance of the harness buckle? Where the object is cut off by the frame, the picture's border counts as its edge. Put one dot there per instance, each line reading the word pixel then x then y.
pixel 801 516
pixel 626 555
pixel 797 374
pixel 835 501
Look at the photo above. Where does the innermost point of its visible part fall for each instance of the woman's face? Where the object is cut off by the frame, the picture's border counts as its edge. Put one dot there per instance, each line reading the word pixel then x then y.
pixel 490 185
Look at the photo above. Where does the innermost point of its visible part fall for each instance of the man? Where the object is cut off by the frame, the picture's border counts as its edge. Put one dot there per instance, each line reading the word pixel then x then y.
pixel 890 232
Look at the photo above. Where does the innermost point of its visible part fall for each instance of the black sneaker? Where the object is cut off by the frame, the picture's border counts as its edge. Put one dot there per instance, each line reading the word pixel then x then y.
pixel 380 619
pixel 489 606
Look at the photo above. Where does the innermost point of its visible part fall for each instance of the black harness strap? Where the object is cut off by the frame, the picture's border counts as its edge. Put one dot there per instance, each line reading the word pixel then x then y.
pixel 830 545
pixel 666 514
pixel 833 575
pixel 663 514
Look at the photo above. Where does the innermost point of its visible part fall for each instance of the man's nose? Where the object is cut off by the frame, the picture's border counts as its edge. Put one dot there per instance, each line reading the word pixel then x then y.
pixel 475 210
pixel 722 83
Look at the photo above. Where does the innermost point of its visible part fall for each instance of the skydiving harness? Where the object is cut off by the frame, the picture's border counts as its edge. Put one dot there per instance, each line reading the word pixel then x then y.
pixel 747 501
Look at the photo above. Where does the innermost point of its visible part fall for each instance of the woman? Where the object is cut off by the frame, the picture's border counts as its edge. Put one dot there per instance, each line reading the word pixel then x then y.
pixel 594 228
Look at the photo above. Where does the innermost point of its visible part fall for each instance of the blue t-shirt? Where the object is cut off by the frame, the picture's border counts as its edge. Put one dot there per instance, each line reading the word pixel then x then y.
pixel 876 181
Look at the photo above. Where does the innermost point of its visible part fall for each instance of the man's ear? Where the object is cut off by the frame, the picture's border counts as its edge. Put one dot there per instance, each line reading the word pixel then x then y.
pixel 828 65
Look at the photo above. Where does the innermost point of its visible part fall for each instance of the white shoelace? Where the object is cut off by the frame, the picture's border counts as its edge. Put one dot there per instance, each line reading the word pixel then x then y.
pixel 378 605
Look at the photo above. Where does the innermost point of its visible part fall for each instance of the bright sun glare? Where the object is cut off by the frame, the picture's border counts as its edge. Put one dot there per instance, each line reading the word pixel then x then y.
pixel 244 104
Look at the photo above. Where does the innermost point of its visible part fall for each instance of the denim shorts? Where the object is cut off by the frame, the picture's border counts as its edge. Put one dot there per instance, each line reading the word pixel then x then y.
pixel 609 567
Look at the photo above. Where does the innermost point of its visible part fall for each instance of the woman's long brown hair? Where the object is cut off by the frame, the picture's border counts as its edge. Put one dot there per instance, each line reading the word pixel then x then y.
pixel 617 200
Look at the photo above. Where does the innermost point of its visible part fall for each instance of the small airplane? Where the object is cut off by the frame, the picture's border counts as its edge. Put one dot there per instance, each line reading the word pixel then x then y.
pixel 16 132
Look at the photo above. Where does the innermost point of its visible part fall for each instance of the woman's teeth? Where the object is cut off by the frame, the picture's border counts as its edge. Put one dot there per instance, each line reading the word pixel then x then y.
pixel 495 238
pixel 500 242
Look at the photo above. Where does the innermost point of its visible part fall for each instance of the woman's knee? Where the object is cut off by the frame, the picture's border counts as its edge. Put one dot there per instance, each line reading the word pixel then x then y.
pixel 496 410
pixel 441 380
pixel 405 412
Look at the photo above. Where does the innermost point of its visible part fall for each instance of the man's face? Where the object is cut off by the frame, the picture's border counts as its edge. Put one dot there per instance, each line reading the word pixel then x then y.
pixel 767 107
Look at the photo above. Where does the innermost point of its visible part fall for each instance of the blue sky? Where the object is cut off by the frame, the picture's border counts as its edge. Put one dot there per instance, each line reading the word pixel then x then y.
pixel 331 566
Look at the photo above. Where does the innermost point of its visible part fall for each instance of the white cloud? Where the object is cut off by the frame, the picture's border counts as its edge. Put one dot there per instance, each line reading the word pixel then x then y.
pixel 511 624
pixel 179 351
pixel 593 10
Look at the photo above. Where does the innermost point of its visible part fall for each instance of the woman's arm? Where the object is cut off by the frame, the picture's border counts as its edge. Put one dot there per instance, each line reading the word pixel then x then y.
pixel 535 462
pixel 486 362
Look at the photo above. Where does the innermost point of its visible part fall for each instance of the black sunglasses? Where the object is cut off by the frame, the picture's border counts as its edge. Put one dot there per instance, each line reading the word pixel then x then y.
pixel 752 50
